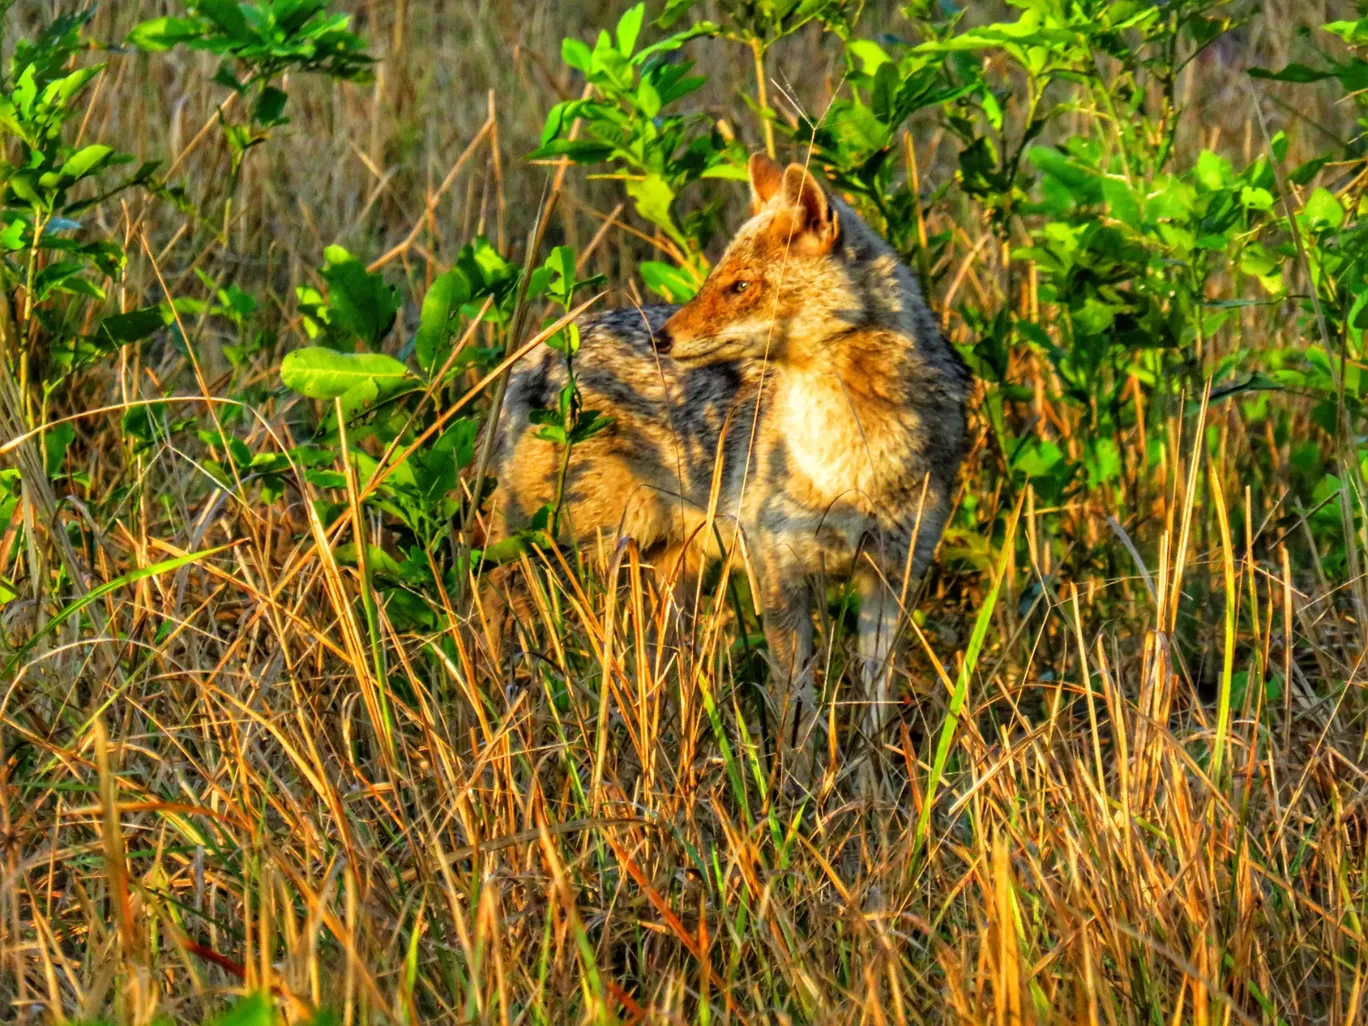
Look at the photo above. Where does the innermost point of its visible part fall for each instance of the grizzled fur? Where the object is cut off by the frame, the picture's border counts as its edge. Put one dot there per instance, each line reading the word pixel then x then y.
pixel 811 366
pixel 650 474
pixel 863 425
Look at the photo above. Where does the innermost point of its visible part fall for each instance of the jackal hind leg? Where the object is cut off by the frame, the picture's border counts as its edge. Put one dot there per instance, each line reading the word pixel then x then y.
pixel 678 568
pixel 505 608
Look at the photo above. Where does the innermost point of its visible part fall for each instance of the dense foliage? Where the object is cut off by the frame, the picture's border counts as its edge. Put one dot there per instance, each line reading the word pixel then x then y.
pixel 1116 327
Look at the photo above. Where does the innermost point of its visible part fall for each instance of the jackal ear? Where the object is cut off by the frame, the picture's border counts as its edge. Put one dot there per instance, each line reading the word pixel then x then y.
pixel 814 224
pixel 766 179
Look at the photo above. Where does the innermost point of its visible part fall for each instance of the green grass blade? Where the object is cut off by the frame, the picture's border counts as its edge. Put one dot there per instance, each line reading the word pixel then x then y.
pixel 100 591
pixel 960 697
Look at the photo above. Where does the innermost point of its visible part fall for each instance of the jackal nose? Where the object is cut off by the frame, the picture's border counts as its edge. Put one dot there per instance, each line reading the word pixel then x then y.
pixel 662 340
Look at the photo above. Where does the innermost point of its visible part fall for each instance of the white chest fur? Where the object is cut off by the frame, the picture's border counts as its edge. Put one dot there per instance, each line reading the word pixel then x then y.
pixel 844 448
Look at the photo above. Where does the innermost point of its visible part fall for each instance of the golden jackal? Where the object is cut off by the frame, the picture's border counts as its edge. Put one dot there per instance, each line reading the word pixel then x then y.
pixel 810 365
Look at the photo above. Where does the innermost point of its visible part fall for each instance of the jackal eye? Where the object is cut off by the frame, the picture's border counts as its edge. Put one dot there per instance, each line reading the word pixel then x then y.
pixel 739 286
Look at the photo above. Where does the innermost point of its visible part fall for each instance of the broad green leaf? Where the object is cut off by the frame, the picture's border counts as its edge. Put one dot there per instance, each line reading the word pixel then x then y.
pixel 359 397
pixel 120 329
pixel 674 10
pixel 61 92
pixel 1303 174
pixel 442 302
pixel 85 161
pixel 227 15
pixel 870 55
pixel 628 28
pixel 1103 461
pixel 1038 458
pixel 653 198
pixel 1121 201
pixel 270 107
pixel 145 422
pixel 561 265
pixel 734 172
pixel 321 373
pixel 575 52
pixel 580 151
pixel 12 238
pixel 1352 32
pixel 1324 209
pixel 668 281
pixel 1292 73
pixel 648 100
pixel 674 42
pixel 1213 172
pixel 56 440
pixel 360 302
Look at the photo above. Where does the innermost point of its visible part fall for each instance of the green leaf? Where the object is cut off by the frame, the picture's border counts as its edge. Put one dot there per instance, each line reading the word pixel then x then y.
pixel 580 151
pixel 674 42
pixel 22 186
pixel 1352 32
pixel 561 264
pixel 61 92
pixel 56 275
pixel 1292 73
pixel 1038 458
pixel 144 422
pixel 321 373
pixel 442 302
pixel 674 10
pixel 55 441
pixel 590 423
pixel 1213 172
pixel 1303 174
pixel 120 329
pixel 85 161
pixel 1324 209
pixel 734 172
pixel 629 27
pixel 1121 201
pixel 227 15
pixel 653 198
pixel 12 238
pixel 255 1010
pixel 270 107
pixel 575 52
pixel 668 281
pixel 1103 461
pixel 360 302
pixel 648 99
pixel 869 55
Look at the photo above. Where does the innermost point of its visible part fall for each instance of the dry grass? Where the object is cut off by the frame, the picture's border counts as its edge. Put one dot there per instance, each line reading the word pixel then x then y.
pixel 397 827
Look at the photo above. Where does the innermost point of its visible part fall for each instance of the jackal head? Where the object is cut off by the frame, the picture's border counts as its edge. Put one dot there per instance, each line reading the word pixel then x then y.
pixel 783 287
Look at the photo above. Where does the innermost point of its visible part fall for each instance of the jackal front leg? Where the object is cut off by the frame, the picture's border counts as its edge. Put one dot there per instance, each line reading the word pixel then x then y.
pixel 787 600
pixel 878 629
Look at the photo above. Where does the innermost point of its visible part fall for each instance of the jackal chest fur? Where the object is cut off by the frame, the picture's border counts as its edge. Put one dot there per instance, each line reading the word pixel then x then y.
pixel 846 449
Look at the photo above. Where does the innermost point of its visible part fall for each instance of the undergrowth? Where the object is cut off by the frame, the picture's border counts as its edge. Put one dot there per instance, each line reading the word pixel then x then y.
pixel 265 268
